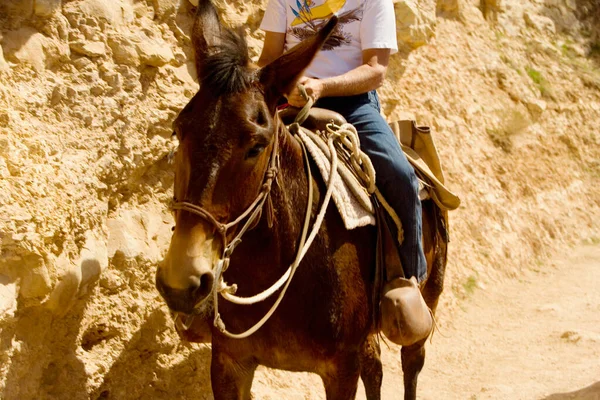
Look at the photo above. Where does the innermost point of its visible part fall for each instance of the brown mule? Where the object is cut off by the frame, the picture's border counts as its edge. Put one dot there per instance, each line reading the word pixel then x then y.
pixel 228 134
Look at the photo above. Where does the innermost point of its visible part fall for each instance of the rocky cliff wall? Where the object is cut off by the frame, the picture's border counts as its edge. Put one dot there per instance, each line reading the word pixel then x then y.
pixel 89 88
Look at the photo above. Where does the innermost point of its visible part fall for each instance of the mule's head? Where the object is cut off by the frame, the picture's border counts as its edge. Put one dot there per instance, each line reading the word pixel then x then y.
pixel 226 134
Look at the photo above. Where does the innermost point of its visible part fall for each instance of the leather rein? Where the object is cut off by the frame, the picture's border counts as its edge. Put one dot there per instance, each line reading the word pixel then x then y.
pixel 253 213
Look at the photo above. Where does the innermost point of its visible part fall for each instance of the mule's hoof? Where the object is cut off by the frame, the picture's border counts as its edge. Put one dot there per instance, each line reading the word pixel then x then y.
pixel 405 317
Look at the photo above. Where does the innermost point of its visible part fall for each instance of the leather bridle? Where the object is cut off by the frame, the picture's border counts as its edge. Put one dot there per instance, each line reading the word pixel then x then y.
pixel 252 213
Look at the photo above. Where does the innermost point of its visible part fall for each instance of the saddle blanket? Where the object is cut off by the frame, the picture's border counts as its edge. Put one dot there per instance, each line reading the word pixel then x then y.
pixel 349 195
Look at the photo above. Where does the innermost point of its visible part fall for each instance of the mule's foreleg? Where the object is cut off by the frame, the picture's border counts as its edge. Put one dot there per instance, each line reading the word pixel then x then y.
pixel 230 379
pixel 413 359
pixel 341 378
pixel 371 370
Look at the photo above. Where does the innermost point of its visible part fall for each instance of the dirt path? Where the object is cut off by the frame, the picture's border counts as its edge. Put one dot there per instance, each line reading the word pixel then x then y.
pixel 532 338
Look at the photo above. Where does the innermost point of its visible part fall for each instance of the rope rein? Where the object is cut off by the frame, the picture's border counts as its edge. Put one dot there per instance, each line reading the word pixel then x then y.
pixel 342 142
pixel 228 291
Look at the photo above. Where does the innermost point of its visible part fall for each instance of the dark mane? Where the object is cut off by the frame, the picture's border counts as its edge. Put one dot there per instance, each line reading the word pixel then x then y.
pixel 227 69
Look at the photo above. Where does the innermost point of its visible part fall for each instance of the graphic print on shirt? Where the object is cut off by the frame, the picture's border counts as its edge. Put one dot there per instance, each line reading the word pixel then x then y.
pixel 312 17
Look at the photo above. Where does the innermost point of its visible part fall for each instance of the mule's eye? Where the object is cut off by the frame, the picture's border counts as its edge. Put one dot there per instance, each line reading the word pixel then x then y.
pixel 255 151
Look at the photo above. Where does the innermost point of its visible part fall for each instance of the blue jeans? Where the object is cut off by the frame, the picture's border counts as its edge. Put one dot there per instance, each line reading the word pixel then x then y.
pixel 395 176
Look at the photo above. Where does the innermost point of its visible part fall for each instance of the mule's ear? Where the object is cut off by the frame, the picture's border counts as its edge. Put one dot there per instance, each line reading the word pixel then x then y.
pixel 206 32
pixel 280 75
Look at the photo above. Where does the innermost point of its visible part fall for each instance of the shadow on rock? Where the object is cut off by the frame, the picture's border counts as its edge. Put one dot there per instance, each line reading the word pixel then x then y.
pixel 43 360
pixel 145 368
pixel 591 392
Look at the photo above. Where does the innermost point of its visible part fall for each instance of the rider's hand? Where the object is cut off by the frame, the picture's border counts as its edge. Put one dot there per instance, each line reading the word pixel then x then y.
pixel 314 88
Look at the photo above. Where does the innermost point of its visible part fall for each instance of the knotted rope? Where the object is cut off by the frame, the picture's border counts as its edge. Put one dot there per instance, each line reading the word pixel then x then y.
pixel 342 141
pixel 347 144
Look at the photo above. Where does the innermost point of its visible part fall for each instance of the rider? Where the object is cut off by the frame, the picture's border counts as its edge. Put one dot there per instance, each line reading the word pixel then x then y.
pixel 343 77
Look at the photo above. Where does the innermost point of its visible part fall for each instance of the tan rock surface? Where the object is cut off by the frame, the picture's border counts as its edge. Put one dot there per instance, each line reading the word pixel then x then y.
pixel 85 179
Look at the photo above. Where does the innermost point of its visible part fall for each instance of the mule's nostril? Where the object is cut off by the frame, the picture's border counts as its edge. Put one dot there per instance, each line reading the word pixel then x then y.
pixel 195 283
pixel 205 287
pixel 197 288
pixel 200 286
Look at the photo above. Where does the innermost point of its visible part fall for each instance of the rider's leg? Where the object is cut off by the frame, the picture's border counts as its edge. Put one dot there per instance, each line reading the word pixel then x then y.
pixel 395 177
pixel 405 317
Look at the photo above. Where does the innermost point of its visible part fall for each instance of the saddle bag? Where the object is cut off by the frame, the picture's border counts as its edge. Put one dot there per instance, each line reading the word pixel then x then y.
pixel 418 146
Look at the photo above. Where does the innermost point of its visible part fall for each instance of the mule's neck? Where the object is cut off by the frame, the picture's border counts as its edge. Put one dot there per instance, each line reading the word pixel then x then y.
pixel 275 246
pixel 290 194
pixel 289 198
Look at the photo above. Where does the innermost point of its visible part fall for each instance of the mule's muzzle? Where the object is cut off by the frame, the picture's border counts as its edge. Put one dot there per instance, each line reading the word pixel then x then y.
pixel 185 300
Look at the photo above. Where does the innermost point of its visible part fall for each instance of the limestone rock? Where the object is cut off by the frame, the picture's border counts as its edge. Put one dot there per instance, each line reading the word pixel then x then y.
pixel 62 27
pixel 536 108
pixel 154 53
pixel 133 233
pixel 115 13
pixel 93 259
pixel 414 25
pixel 540 23
pixel 576 49
pixel 45 8
pixel 449 8
pixel 76 277
pixel 82 64
pixel 4 172
pixel 491 8
pixel 112 281
pixel 472 16
pixel 35 280
pixel 65 291
pixel 90 49
pixel 465 11
pixel 26 46
pixel 8 296
pixel 143 10
pixel 546 47
pixel 56 52
pixel 186 73
pixel 564 18
pixel 16 8
pixel 124 50
pixel 551 308
pixel 3 64
pixel 577 336
pixel 163 8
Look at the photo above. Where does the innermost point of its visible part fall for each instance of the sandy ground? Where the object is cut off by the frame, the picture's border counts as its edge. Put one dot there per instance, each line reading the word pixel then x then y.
pixel 537 337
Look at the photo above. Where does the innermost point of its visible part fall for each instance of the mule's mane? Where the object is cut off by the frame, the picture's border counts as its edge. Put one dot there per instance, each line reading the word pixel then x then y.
pixel 226 69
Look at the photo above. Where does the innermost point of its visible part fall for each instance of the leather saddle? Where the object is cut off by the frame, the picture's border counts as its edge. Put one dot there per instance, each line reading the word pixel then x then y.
pixel 317 119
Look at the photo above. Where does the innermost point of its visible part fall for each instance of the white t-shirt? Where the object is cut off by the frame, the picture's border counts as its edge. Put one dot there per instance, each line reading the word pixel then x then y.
pixel 362 24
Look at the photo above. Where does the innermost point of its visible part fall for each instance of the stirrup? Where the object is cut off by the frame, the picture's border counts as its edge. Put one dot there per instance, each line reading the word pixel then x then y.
pixel 405 317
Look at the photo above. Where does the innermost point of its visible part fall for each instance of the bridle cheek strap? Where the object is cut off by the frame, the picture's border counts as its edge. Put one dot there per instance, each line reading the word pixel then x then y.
pixel 252 213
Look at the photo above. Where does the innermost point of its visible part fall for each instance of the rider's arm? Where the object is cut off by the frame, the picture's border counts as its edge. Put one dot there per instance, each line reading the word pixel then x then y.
pixel 369 76
pixel 272 48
